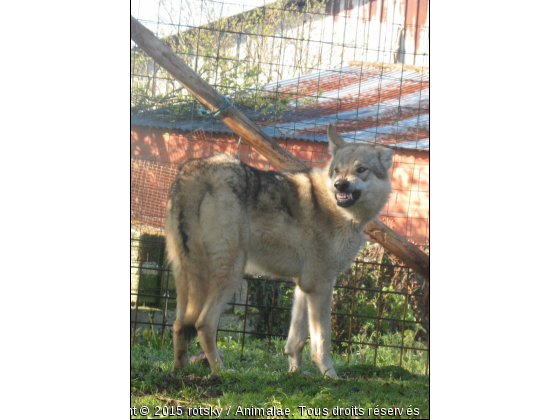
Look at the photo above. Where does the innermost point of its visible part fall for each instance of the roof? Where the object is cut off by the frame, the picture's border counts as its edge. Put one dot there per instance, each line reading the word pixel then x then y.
pixel 386 105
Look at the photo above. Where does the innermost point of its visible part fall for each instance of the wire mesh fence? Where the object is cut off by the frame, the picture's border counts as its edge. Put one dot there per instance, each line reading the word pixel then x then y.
pixel 292 67
pixel 377 303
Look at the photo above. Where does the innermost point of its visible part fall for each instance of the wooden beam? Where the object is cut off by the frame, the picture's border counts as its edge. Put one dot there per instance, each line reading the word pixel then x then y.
pixel 411 255
pixel 393 242
pixel 210 98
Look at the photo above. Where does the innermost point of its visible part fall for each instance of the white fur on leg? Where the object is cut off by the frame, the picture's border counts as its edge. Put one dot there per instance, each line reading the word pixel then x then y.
pixel 319 307
pixel 299 329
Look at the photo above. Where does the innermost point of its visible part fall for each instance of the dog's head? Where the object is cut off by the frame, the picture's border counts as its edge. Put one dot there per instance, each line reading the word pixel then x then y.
pixel 358 174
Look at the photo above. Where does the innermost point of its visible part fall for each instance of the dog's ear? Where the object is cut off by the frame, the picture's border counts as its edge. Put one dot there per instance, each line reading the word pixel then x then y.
pixel 386 157
pixel 335 141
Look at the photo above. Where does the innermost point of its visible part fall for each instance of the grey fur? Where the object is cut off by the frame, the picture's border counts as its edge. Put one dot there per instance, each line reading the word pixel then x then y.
pixel 225 218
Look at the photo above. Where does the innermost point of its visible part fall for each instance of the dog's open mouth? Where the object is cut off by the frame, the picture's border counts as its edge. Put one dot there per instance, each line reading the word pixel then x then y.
pixel 347 199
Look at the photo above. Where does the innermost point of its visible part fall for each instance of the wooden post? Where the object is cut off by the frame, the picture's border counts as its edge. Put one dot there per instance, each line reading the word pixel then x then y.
pixel 242 126
pixel 393 242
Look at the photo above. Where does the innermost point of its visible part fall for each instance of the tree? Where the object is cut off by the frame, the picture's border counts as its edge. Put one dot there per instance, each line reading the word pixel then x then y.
pixel 238 54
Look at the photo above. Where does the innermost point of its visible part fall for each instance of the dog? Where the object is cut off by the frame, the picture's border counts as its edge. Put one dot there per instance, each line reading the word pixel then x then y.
pixel 225 218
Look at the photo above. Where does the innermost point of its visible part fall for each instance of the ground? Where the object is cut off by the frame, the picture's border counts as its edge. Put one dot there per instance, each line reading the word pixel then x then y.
pixel 261 380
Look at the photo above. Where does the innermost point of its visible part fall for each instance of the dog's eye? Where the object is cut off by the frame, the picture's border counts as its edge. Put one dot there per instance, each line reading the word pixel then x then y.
pixel 336 170
pixel 361 170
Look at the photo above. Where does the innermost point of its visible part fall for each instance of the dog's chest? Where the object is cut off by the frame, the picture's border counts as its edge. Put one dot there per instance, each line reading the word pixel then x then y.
pixel 346 246
pixel 290 251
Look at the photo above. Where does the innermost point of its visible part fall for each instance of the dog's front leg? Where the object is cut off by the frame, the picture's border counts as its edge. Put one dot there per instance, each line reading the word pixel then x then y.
pixel 319 301
pixel 299 330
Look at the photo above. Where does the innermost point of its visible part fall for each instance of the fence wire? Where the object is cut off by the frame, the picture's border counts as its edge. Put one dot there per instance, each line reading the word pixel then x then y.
pixel 292 67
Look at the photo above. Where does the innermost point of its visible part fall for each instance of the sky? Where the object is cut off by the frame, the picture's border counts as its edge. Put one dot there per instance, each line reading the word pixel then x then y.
pixel 163 16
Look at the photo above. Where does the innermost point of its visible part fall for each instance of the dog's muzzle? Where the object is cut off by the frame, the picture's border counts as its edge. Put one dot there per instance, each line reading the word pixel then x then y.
pixel 346 199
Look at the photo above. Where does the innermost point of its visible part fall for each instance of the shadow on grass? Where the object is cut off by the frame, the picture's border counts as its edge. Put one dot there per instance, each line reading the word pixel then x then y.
pixel 370 371
pixel 262 380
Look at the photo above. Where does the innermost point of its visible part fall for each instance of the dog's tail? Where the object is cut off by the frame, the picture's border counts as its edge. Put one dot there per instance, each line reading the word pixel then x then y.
pixel 185 252
pixel 189 285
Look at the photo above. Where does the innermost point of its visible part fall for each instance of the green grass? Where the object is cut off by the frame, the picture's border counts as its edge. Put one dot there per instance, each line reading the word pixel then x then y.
pixel 261 380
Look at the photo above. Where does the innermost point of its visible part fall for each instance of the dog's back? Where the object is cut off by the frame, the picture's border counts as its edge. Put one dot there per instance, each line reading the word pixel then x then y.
pixel 217 207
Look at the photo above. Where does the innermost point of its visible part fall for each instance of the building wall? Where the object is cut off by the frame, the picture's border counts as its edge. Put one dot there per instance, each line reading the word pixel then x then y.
pixel 407 210
pixel 385 31
pixel 382 30
pixel 328 36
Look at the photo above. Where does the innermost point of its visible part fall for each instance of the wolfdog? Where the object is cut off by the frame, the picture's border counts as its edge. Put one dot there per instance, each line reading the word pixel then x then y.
pixel 225 218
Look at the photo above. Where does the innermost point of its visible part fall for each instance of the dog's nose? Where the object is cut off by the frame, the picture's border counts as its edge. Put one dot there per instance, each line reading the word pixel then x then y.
pixel 341 185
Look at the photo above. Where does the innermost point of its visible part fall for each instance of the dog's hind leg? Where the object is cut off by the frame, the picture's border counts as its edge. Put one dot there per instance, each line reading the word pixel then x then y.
pixel 180 335
pixel 207 324
pixel 225 236
pixel 299 329
pixel 189 304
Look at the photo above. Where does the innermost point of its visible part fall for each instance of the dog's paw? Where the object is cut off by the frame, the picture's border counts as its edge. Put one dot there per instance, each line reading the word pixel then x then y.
pixel 330 373
pixel 201 358
pixel 197 358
